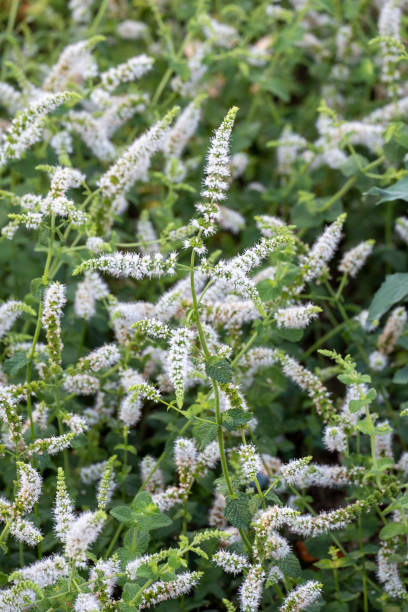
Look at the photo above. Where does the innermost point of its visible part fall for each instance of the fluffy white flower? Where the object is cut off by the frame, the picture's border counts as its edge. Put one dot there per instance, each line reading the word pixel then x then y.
pixel 101 358
pixel 131 265
pixel 296 317
pixel 216 174
pixel 45 572
pixel 155 483
pixel 180 344
pixel 162 591
pixel 335 438
pixel 378 361
pixel 392 331
pixel 230 562
pixel 81 534
pixel 302 596
pixel 314 263
pixel 131 30
pixel 401 227
pixel 81 384
pixel 354 259
pixel 250 591
pixel 28 125
pixel 86 602
pixel 134 163
pixel 131 70
pixel 250 461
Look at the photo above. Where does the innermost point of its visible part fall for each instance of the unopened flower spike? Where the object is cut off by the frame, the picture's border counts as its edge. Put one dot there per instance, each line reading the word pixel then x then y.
pixel 107 484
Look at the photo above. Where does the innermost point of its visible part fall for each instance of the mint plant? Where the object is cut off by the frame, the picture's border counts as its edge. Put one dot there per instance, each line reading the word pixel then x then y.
pixel 202 321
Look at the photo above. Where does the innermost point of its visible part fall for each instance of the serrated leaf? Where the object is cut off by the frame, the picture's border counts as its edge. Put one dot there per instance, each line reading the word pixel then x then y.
pixel 219 369
pixel 272 497
pixel 15 363
pixel 154 521
pixel 141 501
pixel 234 418
pixel 130 590
pixel 403 500
pixel 123 514
pixel 290 566
pixel 237 511
pixel 205 433
pixel 147 515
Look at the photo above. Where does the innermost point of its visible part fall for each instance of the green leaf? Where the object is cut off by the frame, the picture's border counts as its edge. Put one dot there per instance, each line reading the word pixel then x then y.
pixel 344 378
pixel 16 363
pixel 154 521
pixel 276 86
pixel 391 530
pixel 123 514
pixel 204 433
pixel 292 335
pixel 234 418
pixel 147 515
pixel 237 511
pixel 393 290
pixel 371 395
pixel 401 376
pixel 384 463
pixel 366 427
pixel 141 501
pixel 290 566
pixel 219 369
pixel 398 191
pixel 126 447
pixel 324 564
pixel 333 563
pixel 136 541
pixel 353 164
pixel 272 497
pixel 356 405
pixel 36 287
pixel 401 501
pixel 130 590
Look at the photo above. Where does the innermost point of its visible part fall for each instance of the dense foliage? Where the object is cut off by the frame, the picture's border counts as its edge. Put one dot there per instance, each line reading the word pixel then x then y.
pixel 204 343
